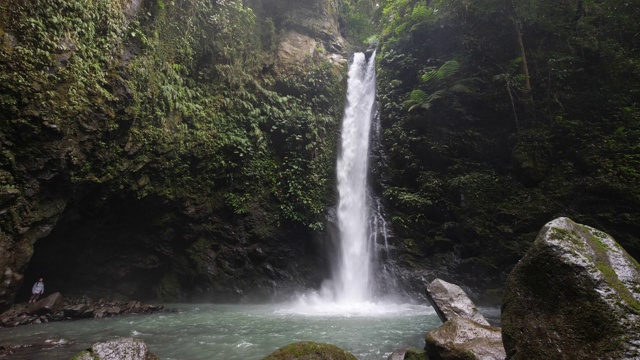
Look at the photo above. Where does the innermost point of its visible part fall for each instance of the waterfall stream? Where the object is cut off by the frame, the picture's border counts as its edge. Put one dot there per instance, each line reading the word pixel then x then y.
pixel 353 270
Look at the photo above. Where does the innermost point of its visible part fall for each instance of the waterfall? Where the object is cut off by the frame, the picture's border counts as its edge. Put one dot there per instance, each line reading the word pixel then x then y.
pixel 364 281
pixel 353 282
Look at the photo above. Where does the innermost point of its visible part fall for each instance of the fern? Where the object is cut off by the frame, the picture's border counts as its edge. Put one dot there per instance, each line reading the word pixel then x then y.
pixel 445 71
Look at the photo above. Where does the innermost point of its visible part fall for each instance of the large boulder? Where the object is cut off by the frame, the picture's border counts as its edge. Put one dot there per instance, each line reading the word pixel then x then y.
pixel 465 334
pixel 118 349
pixel 48 305
pixel 462 339
pixel 307 350
pixel 449 300
pixel 574 295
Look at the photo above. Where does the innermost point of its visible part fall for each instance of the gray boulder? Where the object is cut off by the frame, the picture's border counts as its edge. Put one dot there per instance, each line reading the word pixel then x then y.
pixel 118 349
pixel 465 334
pixel 574 295
pixel 48 305
pixel 462 339
pixel 449 300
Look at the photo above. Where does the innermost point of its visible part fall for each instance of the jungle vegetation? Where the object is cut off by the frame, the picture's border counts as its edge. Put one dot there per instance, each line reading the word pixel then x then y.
pixel 497 116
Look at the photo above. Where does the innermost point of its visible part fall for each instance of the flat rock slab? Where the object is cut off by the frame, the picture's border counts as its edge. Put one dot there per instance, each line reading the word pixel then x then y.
pixel 460 338
pixel 48 305
pixel 574 295
pixel 449 300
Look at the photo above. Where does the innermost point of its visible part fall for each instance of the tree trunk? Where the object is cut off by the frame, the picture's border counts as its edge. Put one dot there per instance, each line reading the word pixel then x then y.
pixel 511 11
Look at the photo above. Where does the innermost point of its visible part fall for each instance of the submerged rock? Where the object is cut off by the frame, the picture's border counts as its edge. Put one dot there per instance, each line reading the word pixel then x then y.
pixel 118 349
pixel 449 300
pixel 461 338
pixel 307 350
pixel 574 295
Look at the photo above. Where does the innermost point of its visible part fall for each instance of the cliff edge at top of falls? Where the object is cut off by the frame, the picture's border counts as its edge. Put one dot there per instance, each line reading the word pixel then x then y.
pixel 310 33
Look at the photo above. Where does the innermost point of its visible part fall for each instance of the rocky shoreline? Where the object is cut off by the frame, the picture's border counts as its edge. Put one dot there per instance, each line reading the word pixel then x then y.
pixel 57 308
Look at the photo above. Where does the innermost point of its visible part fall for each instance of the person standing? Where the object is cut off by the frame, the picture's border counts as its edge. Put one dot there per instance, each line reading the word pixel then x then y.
pixel 37 290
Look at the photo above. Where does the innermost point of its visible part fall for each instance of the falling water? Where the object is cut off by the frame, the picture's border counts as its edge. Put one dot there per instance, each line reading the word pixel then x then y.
pixel 353 282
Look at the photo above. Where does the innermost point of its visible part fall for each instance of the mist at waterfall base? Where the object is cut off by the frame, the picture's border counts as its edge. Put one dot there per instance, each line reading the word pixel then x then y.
pixel 230 332
pixel 350 310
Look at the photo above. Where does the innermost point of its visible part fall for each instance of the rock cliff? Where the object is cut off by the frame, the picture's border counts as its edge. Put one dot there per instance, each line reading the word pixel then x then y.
pixel 164 150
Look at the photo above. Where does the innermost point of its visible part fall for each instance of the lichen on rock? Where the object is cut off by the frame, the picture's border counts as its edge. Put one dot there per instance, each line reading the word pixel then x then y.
pixel 574 295
pixel 118 349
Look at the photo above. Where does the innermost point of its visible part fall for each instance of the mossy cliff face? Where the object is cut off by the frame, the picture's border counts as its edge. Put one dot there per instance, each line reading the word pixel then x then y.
pixel 162 149
pixel 575 295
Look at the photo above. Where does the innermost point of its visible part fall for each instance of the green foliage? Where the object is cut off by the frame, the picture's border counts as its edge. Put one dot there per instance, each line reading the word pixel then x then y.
pixel 456 104
pixel 176 103
pixel 357 20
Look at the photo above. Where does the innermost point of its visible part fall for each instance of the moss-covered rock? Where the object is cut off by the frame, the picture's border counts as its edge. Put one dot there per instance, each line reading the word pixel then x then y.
pixel 574 295
pixel 307 350
pixel 413 354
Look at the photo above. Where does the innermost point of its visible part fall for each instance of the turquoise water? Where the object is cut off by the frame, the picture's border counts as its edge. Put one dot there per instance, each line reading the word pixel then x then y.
pixel 214 331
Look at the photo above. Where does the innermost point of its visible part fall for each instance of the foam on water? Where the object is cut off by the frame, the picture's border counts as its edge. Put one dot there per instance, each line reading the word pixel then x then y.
pixel 315 304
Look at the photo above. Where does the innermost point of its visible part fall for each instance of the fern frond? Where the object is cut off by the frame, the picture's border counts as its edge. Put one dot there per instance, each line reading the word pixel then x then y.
pixel 449 69
pixel 419 96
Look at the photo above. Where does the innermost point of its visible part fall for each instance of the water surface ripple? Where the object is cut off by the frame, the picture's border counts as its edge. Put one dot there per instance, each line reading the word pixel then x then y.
pixel 234 332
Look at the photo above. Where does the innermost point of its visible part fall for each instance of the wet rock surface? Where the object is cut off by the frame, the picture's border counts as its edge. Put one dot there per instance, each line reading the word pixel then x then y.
pixel 465 334
pixel 449 300
pixel 55 308
pixel 461 338
pixel 574 295
pixel 118 349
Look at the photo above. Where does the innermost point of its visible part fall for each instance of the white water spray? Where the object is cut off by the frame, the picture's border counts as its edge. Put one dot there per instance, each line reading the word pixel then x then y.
pixel 353 272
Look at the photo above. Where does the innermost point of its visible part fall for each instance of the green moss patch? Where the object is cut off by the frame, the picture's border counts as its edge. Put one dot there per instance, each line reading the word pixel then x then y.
pixel 307 350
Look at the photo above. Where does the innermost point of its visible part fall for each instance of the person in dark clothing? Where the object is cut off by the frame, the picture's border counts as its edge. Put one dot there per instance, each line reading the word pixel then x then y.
pixel 37 290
